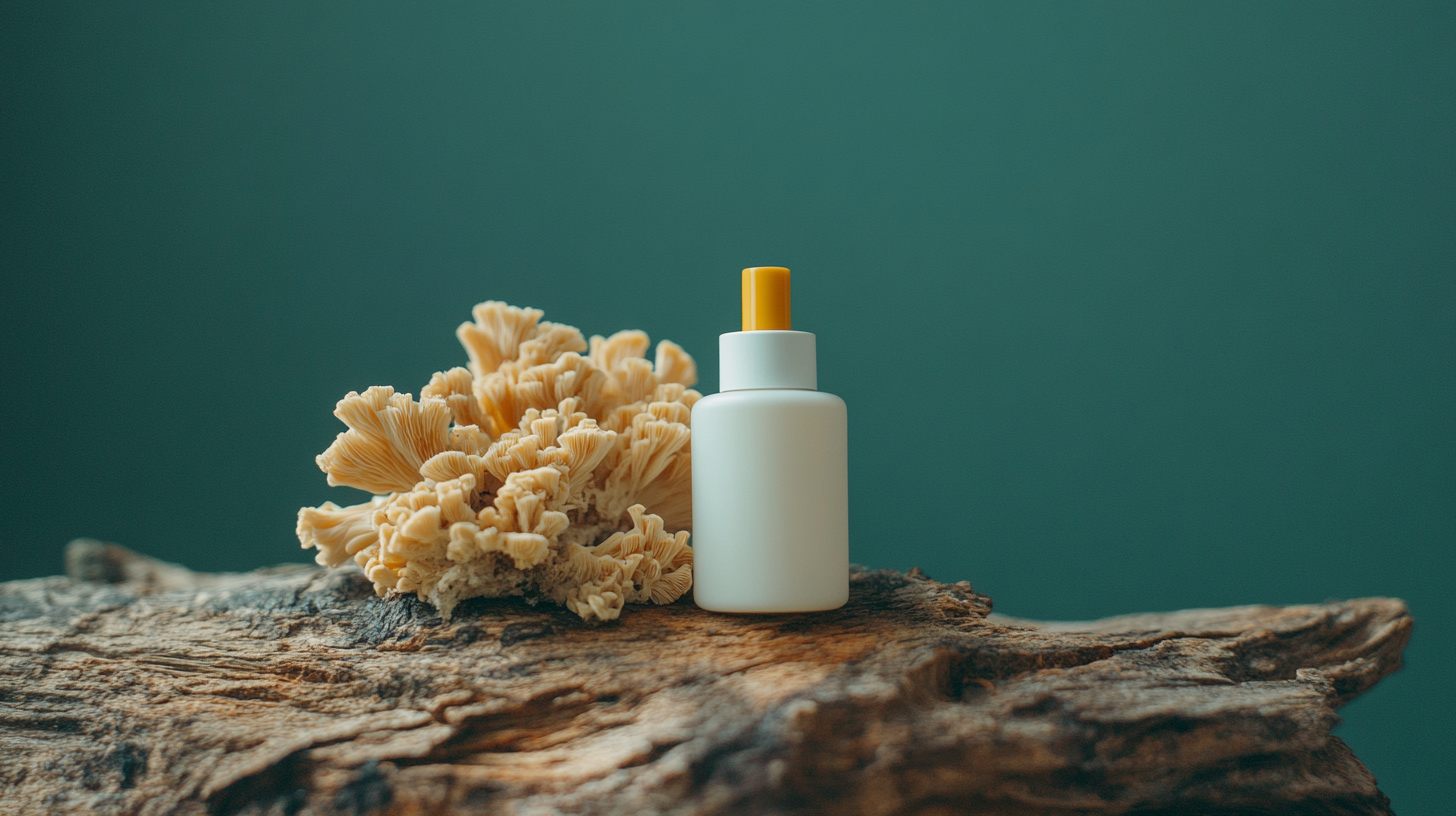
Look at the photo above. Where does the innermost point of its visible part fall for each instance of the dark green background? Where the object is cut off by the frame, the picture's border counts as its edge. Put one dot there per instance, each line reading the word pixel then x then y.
pixel 1135 306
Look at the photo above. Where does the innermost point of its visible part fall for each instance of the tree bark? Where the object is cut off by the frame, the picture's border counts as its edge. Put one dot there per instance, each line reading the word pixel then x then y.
pixel 135 687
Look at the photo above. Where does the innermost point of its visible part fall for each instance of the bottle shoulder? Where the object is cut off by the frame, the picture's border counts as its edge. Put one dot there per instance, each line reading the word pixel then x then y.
pixel 767 397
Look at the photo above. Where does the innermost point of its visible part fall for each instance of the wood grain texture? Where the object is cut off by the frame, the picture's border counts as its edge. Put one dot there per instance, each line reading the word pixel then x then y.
pixel 149 689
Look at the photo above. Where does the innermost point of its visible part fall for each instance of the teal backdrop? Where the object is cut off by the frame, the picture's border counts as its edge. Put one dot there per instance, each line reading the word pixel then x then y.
pixel 1136 306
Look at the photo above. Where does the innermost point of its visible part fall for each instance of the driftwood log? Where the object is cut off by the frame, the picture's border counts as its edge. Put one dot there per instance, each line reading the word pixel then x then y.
pixel 136 687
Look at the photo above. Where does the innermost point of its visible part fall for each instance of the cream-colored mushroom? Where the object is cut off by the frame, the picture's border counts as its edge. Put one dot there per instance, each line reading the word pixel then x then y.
pixel 535 471
pixel 457 388
pixel 338 532
pixel 389 437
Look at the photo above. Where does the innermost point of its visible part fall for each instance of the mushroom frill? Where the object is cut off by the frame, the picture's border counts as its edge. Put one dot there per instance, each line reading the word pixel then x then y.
pixel 537 471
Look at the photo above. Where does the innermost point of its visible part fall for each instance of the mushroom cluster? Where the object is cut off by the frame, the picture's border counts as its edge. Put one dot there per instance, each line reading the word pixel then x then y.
pixel 529 473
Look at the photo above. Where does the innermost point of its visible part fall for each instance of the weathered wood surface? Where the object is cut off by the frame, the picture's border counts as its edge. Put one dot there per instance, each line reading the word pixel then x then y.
pixel 296 691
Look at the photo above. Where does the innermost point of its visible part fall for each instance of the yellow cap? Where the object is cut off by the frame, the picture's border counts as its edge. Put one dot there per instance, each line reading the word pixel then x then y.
pixel 766 299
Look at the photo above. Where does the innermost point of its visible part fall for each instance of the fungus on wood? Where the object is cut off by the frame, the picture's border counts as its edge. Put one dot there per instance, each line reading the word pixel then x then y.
pixel 135 687
pixel 536 472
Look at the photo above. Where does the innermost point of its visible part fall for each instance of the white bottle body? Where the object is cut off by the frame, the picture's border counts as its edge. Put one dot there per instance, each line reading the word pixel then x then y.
pixel 770 501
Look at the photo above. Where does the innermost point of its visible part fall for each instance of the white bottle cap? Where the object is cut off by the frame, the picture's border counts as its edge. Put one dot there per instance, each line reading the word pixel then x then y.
pixel 766 359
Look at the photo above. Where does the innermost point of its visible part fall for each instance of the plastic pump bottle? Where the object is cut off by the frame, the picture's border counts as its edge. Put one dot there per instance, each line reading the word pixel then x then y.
pixel 770 468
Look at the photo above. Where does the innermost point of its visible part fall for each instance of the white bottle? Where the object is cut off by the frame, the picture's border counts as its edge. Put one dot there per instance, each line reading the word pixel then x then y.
pixel 770 469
